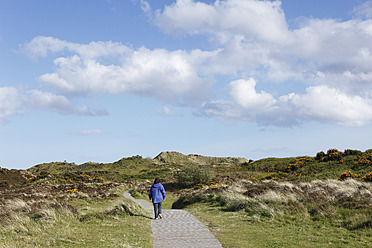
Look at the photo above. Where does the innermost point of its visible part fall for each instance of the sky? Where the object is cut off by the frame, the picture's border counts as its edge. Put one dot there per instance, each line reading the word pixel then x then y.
pixel 101 80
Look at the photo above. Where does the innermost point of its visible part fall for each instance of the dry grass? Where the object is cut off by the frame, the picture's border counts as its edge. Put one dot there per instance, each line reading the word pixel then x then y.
pixel 286 214
pixel 86 215
pixel 347 203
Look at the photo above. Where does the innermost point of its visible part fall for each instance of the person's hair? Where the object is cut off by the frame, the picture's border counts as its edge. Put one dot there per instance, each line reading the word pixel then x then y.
pixel 157 180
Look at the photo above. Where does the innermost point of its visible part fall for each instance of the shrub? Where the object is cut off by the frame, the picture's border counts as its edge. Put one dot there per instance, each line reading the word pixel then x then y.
pixel 127 206
pixel 349 152
pixel 368 177
pixel 136 194
pixel 349 175
pixel 298 163
pixel 369 151
pixel 320 155
pixel 192 176
pixel 334 154
pixel 364 159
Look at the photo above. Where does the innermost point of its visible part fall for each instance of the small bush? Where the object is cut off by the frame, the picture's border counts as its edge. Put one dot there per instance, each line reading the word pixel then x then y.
pixel 136 194
pixel 363 160
pixel 320 155
pixel 192 176
pixel 368 177
pixel 127 206
pixel 349 152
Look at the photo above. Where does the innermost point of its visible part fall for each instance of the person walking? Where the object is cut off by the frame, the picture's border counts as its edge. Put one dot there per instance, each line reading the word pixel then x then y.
pixel 157 195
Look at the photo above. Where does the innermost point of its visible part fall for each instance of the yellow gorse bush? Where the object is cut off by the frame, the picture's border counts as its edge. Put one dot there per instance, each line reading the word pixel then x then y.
pixel 334 154
pixel 367 177
pixel 299 162
pixel 364 159
pixel 348 175
pixel 72 191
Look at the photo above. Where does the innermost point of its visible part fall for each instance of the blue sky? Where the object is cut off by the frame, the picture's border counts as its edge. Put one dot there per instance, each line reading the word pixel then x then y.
pixel 109 79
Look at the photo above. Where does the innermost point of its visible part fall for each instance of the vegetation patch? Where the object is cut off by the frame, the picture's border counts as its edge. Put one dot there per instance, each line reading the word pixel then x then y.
pixel 46 214
pixel 346 204
pixel 64 204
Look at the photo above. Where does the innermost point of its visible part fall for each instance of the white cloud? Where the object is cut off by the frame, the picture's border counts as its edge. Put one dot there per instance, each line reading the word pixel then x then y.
pixel 320 103
pixel 46 100
pixel 10 104
pixel 251 43
pixel 171 76
pixel 262 20
pixel 243 92
pixel 42 46
pixel 331 57
pixel 328 104
pixel 13 101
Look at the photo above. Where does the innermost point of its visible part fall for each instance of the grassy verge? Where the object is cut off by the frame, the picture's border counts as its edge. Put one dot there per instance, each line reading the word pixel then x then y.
pixel 73 220
pixel 236 229
pixel 67 231
pixel 284 214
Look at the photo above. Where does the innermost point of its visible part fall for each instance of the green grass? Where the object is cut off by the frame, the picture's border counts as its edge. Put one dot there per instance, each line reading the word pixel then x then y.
pixel 74 222
pixel 237 229
pixel 270 202
pixel 169 166
pixel 285 214
pixel 69 231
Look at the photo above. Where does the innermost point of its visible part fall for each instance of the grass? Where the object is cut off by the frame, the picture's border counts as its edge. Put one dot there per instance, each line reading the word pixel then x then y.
pixel 86 219
pixel 272 202
pixel 285 214
pixel 236 229
pixel 67 231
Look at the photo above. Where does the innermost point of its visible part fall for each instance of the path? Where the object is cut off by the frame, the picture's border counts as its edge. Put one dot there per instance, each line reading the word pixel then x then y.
pixel 178 228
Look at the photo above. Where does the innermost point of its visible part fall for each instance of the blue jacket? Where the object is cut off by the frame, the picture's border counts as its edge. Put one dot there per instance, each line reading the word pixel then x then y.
pixel 157 193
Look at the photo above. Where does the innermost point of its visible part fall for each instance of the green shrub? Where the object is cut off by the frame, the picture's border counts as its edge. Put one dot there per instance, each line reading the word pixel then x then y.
pixel 334 155
pixel 349 152
pixel 191 176
pixel 320 155
pixel 369 151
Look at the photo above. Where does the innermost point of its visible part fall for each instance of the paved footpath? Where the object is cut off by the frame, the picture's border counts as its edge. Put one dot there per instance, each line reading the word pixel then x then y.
pixel 178 228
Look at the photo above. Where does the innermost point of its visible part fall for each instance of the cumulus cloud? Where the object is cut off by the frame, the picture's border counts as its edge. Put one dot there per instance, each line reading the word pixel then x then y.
pixel 262 20
pixel 14 101
pixel 328 104
pixel 329 56
pixel 45 100
pixel 244 93
pixel 320 103
pixel 10 104
pixel 170 76
pixel 251 44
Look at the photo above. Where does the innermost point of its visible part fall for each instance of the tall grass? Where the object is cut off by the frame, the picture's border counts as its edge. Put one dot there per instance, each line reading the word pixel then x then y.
pixel 342 203
pixel 72 220
pixel 327 213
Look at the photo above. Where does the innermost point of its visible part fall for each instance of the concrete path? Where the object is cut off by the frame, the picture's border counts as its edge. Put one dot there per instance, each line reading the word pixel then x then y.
pixel 178 228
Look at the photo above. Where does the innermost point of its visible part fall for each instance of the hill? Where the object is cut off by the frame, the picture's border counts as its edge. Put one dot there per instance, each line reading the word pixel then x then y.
pixel 332 164
pixel 300 201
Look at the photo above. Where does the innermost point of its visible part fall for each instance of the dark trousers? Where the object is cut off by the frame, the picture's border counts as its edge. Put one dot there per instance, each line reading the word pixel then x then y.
pixel 157 209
